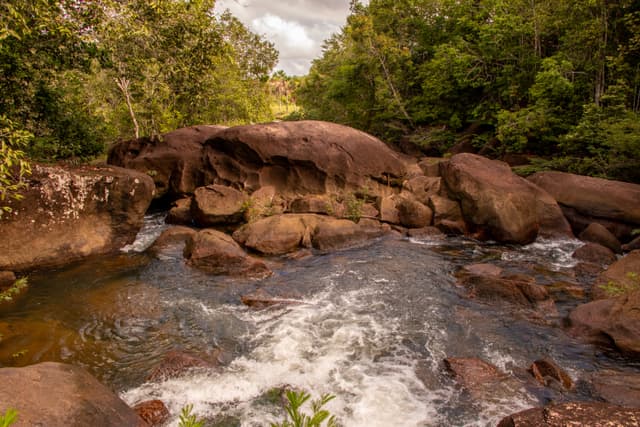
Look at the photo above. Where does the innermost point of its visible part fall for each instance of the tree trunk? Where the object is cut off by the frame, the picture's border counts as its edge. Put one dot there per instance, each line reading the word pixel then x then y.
pixel 123 84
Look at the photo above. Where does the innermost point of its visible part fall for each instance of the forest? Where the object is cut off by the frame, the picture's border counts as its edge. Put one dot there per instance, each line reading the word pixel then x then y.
pixel 558 81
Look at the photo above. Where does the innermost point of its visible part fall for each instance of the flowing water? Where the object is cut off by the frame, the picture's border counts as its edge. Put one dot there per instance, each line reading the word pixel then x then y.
pixel 372 327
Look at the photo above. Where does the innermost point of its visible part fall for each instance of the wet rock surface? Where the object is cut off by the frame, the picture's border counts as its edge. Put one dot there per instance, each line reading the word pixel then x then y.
pixel 153 412
pixel 55 394
pixel 574 414
pixel 72 213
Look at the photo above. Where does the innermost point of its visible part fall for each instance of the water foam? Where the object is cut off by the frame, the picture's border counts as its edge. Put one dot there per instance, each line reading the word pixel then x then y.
pixel 151 229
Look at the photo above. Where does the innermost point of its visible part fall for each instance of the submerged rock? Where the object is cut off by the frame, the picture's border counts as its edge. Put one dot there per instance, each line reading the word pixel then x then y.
pixel 548 373
pixel 473 373
pixel 217 253
pixel 177 235
pixel 500 204
pixel 175 364
pixel 153 412
pixel 262 299
pixel 69 214
pixel 574 414
pixel 59 395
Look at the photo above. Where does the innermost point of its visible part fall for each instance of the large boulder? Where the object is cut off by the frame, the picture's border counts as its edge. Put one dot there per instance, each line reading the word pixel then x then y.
pixel 305 157
pixel 281 234
pixel 574 414
pixel 68 214
pixel 59 395
pixel 598 233
pixel 499 204
pixel 618 388
pixel 610 321
pixel 622 276
pixel 174 160
pixel 217 253
pixel 594 200
pixel 216 204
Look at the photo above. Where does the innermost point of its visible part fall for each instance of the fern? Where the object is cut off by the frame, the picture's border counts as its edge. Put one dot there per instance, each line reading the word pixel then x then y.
pixel 8 418
pixel 187 419
pixel 297 418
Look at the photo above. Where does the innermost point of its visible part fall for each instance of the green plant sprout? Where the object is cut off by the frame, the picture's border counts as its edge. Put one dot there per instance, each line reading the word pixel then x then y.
pixel 297 418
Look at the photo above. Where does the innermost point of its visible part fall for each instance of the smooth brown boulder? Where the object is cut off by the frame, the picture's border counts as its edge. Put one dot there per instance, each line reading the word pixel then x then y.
pixel 597 233
pixel 153 412
pixel 175 363
pixel 174 160
pixel 217 253
pixel 574 414
pixel 445 209
pixel 610 321
pixel 500 204
pixel 336 234
pixel 423 187
pixel 413 214
pixel 59 395
pixel 173 236
pixel 216 204
pixel 617 388
pixel 180 212
pixel 278 234
pixel 595 253
pixel 595 197
pixel 621 276
pixel 71 213
pixel 431 166
pixel 304 157
pixel 472 373
pixel 313 203
pixel 389 209
pixel 548 373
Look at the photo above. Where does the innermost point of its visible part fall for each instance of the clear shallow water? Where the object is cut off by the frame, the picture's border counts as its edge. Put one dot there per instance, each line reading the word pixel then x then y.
pixel 373 329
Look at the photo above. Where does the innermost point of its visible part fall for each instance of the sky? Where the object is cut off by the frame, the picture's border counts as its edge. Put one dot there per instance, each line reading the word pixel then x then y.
pixel 296 27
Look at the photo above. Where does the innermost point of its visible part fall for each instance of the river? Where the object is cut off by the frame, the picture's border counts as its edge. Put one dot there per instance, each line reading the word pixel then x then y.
pixel 372 327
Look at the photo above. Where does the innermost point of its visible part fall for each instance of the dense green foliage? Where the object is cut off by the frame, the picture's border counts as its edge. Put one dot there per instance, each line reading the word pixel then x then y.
pixel 79 74
pixel 14 168
pixel 559 79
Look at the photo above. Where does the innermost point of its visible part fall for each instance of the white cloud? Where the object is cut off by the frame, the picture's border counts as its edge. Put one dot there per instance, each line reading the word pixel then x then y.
pixel 296 27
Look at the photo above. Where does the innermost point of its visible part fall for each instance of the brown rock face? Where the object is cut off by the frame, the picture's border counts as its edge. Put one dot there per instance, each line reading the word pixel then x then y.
pixel 504 206
pixel 153 412
pixel 176 235
pixel 472 373
pixel 613 320
pixel 175 364
pixel 7 278
pixel 306 157
pixel 548 373
pixel 336 234
pixel 486 284
pixel 621 276
pixel 217 204
pixel 598 199
pixel 175 160
pixel 574 414
pixel 413 214
pixel 423 187
pixel 69 214
pixel 597 233
pixel 180 213
pixel 218 253
pixel 618 388
pixel 59 395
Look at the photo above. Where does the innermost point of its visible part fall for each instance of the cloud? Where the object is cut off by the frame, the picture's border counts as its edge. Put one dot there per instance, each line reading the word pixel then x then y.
pixel 296 27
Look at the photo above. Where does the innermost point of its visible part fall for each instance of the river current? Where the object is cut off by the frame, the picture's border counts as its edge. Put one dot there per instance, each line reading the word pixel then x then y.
pixel 371 325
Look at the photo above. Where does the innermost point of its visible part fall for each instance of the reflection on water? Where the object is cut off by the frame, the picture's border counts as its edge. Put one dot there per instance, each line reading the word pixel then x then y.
pixel 374 327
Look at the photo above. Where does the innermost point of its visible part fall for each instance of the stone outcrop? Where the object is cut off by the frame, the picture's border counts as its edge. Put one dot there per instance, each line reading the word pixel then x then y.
pixel 177 235
pixel 59 395
pixel 153 412
pixel 217 253
pixel 174 160
pixel 595 253
pixel 621 276
pixel 548 373
pixel 216 204
pixel 305 157
pixel 499 204
pixel 69 214
pixel 574 414
pixel 281 234
pixel 614 204
pixel 180 212
pixel 610 321
pixel 617 388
